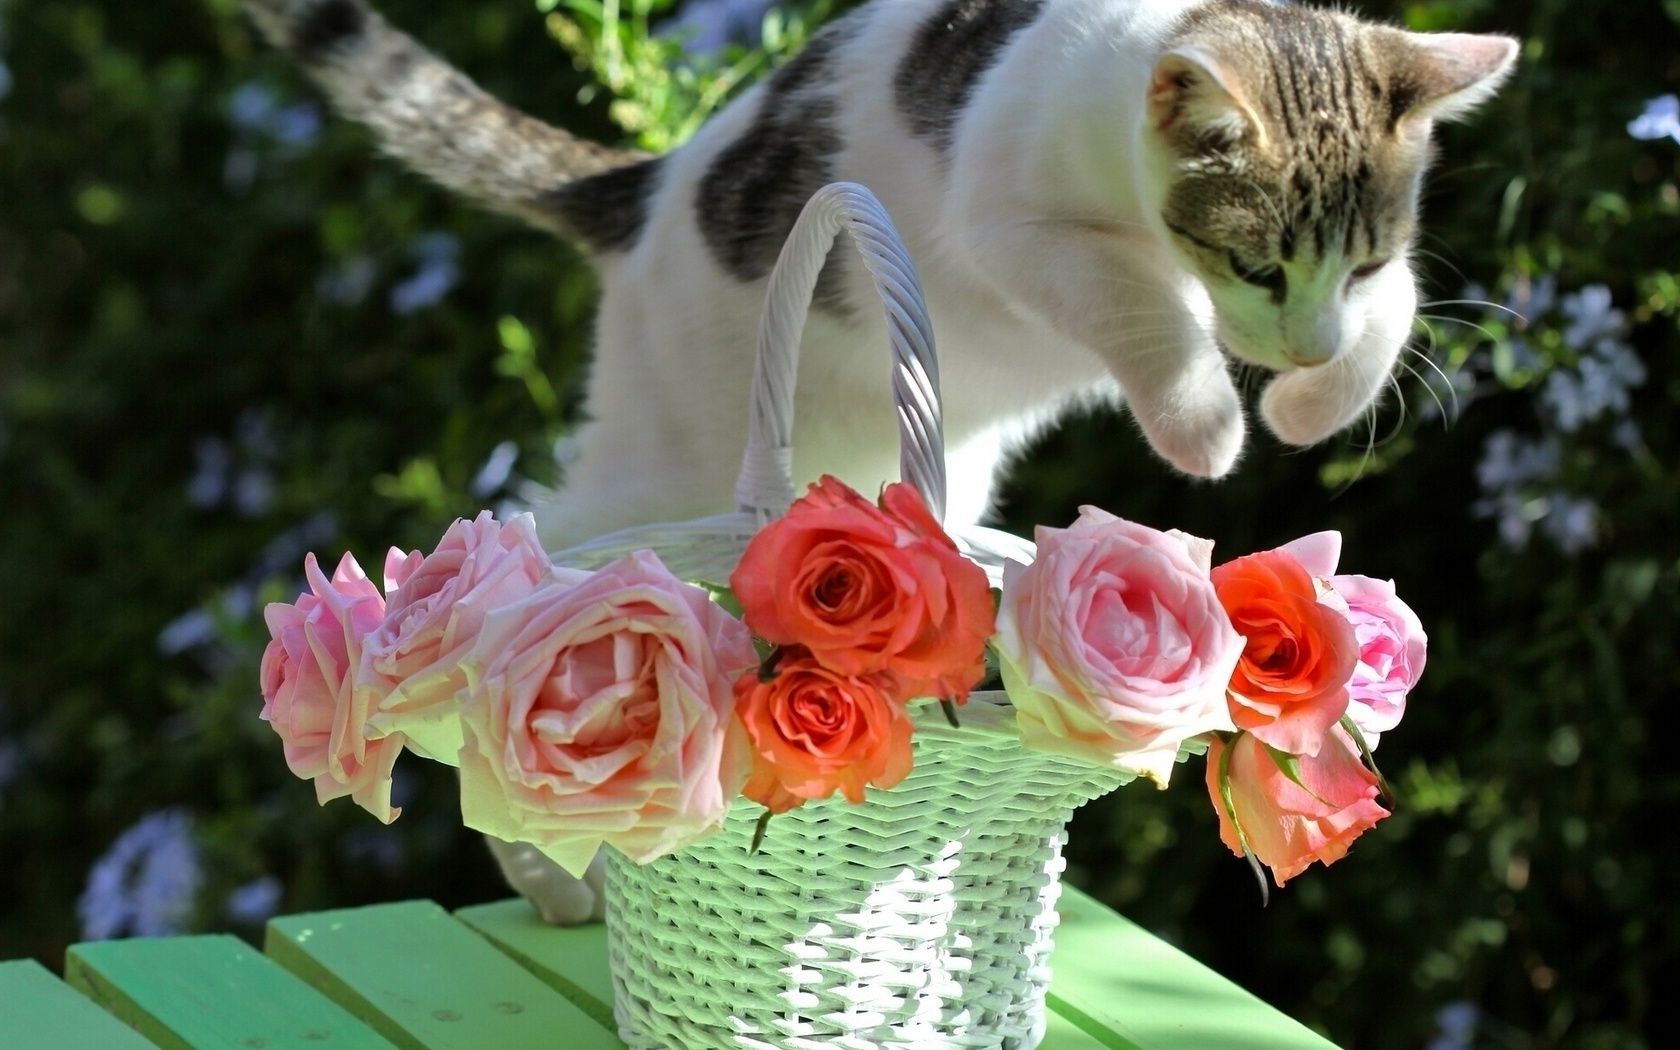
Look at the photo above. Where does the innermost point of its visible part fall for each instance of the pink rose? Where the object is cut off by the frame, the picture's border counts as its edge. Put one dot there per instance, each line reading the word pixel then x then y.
pixel 310 693
pixel 601 709
pixel 1392 647
pixel 1113 644
pixel 436 608
pixel 1287 826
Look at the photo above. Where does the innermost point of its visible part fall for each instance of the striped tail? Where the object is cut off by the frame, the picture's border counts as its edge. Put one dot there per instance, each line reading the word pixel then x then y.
pixel 433 117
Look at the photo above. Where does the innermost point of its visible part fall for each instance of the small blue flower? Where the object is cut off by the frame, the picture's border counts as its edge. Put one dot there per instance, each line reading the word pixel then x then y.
pixel 251 106
pixel 708 26
pixel 187 631
pixel 1532 299
pixel 1508 462
pixel 209 484
pixel 437 254
pixel 253 492
pixel 255 902
pixel 1455 1026
pixel 145 883
pixel 1571 522
pixel 297 126
pixel 1661 120
pixel 496 470
pixel 1591 317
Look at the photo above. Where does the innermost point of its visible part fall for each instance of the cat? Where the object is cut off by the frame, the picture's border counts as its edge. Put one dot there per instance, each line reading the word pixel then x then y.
pixel 1103 197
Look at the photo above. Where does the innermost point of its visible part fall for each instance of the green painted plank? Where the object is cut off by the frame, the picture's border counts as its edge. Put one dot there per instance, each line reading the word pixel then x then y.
pixel 1065 1034
pixel 570 959
pixel 36 1009
pixel 1134 991
pixel 191 993
pixel 427 982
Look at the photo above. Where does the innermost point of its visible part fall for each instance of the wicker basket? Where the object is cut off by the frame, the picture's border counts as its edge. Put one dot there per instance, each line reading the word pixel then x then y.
pixel 920 919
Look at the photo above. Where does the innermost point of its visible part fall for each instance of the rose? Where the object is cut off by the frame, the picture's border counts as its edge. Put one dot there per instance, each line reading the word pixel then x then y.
pixel 599 710
pixel 1285 825
pixel 310 693
pixel 1290 686
pixel 868 589
pixel 1113 645
pixel 1392 647
pixel 815 731
pixel 436 608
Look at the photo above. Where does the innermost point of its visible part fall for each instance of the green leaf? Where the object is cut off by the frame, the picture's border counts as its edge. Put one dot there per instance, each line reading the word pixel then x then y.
pixel 759 829
pixel 1370 759
pixel 722 595
pixel 950 710
pixel 1290 766
pixel 1231 815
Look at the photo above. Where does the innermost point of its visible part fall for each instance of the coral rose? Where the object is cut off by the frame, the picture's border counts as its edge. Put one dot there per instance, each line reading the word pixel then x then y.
pixel 599 710
pixel 868 589
pixel 310 692
pixel 1288 826
pixel 1113 645
pixel 437 604
pixel 815 731
pixel 1290 686
pixel 1392 648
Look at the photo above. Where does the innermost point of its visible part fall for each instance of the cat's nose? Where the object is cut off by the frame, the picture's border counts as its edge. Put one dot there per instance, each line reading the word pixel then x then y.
pixel 1318 345
pixel 1309 355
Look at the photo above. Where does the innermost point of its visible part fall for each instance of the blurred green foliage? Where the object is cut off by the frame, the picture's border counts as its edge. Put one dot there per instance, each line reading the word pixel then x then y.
pixel 229 333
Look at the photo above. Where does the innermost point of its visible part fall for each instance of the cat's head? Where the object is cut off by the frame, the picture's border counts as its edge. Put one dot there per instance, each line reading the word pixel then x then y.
pixel 1286 147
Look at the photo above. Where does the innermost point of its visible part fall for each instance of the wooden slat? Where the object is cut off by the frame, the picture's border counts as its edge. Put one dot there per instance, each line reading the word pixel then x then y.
pixel 570 959
pixel 188 993
pixel 37 1009
pixel 1133 991
pixel 424 980
pixel 1065 1034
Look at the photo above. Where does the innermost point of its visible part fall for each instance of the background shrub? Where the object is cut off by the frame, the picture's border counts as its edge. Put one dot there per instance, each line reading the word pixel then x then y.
pixel 229 334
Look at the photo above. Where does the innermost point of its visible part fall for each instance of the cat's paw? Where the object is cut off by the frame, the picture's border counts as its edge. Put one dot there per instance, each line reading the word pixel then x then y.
pixel 1309 405
pixel 561 899
pixel 1202 440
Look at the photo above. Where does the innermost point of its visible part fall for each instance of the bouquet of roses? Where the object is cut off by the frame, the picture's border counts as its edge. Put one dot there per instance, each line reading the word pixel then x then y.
pixel 630 708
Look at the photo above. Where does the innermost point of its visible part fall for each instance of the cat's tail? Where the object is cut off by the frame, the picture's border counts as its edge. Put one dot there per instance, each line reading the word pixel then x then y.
pixel 430 115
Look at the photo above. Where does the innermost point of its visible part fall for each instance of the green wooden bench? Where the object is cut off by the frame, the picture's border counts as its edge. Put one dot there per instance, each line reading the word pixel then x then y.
pixel 411 975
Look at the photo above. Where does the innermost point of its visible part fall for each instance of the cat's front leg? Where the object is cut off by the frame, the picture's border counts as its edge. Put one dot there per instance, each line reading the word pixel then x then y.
pixel 1151 325
pixel 1307 405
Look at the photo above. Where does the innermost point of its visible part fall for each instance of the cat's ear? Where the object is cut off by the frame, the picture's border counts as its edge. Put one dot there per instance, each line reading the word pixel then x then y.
pixel 1443 76
pixel 1195 101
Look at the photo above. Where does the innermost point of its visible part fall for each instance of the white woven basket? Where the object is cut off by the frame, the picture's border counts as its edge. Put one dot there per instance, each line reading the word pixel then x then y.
pixel 918 920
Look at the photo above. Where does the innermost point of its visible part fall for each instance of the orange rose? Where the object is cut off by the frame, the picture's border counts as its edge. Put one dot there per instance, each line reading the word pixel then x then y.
pixel 1290 686
pixel 1287 826
pixel 868 589
pixel 815 731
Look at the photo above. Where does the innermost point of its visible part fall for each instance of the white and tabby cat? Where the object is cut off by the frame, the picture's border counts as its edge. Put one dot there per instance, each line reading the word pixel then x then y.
pixel 1100 195
pixel 1097 193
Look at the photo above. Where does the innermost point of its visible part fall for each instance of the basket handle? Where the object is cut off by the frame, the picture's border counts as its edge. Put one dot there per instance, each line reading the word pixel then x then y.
pixel 765 485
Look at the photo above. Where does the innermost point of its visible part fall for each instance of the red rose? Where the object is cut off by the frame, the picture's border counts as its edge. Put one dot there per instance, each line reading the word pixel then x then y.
pixel 868 589
pixel 815 731
pixel 1290 686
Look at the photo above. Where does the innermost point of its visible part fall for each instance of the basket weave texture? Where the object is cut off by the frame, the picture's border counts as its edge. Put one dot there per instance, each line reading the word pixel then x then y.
pixel 920 919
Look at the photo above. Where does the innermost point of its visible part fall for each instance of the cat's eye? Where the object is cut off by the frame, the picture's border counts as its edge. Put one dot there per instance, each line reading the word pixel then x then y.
pixel 1270 278
pixel 1360 273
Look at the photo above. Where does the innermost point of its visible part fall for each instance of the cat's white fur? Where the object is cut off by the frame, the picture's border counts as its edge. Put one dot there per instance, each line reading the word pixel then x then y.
pixel 1048 273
